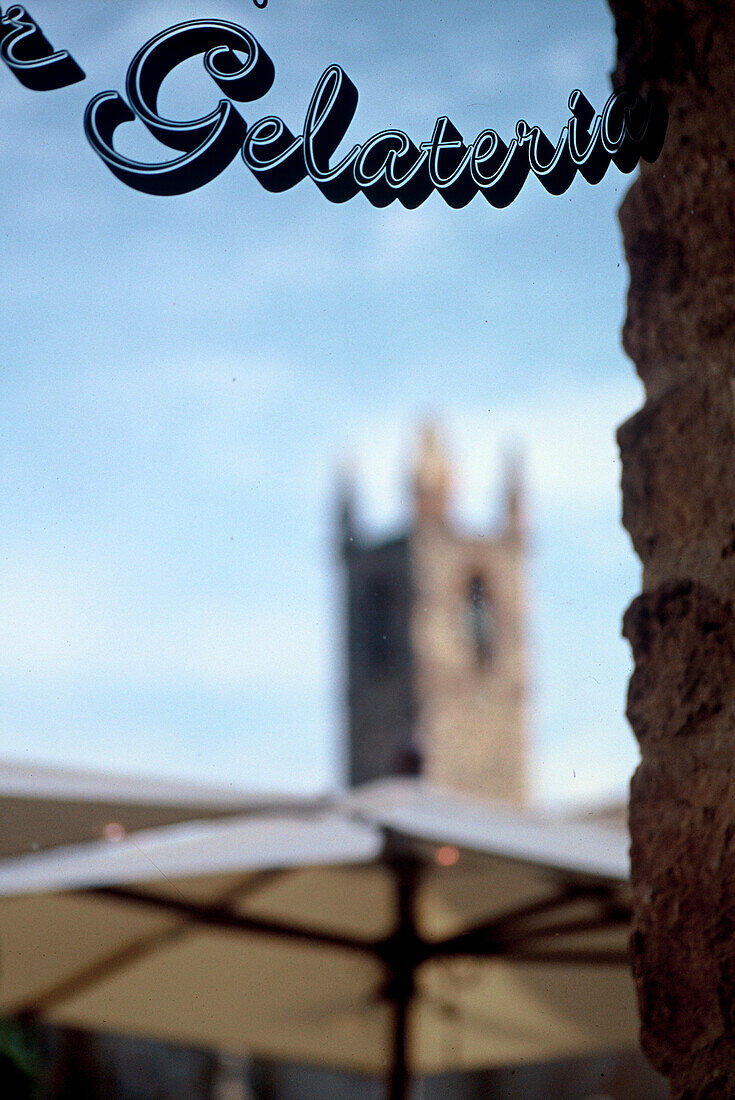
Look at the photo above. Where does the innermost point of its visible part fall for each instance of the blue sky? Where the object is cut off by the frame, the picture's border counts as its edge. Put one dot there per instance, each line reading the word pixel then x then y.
pixel 183 377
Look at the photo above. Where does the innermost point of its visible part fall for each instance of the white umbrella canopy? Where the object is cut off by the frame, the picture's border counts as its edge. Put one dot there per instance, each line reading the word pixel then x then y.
pixel 400 931
pixel 43 806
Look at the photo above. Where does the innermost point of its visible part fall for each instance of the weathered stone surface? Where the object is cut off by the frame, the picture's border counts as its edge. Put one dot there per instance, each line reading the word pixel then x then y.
pixel 679 505
pixel 683 642
pixel 674 494
pixel 683 939
pixel 679 225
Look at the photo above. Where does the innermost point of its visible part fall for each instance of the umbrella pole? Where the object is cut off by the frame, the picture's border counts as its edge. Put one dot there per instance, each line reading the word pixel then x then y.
pixel 401 964
pixel 398 1084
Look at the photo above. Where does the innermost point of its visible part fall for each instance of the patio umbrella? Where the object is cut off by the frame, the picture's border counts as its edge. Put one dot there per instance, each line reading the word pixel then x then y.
pixel 400 930
pixel 43 807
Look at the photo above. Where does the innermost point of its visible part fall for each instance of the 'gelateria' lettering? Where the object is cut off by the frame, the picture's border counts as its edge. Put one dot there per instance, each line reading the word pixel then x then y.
pixel 386 167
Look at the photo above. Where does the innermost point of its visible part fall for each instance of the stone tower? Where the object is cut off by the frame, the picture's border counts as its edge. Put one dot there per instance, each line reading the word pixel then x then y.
pixel 436 650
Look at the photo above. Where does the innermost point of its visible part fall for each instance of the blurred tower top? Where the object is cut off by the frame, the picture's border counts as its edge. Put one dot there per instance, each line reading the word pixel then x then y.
pixel 514 517
pixel 346 508
pixel 432 479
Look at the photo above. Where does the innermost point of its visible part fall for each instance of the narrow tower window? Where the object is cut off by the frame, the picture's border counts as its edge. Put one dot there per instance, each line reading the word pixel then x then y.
pixel 480 620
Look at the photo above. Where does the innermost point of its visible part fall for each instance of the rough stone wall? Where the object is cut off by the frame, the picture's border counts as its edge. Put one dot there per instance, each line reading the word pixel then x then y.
pixel 679 506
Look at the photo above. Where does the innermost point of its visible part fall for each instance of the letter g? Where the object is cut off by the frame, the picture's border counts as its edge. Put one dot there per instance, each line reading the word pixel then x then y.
pixel 209 143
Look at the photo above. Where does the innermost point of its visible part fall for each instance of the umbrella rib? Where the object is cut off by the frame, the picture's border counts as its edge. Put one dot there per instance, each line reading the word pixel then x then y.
pixel 131 953
pixel 225 919
pixel 489 943
pixel 98 970
pixel 567 895
pixel 574 957
pixel 610 917
pixel 567 956
pixel 495 929
pixel 251 884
